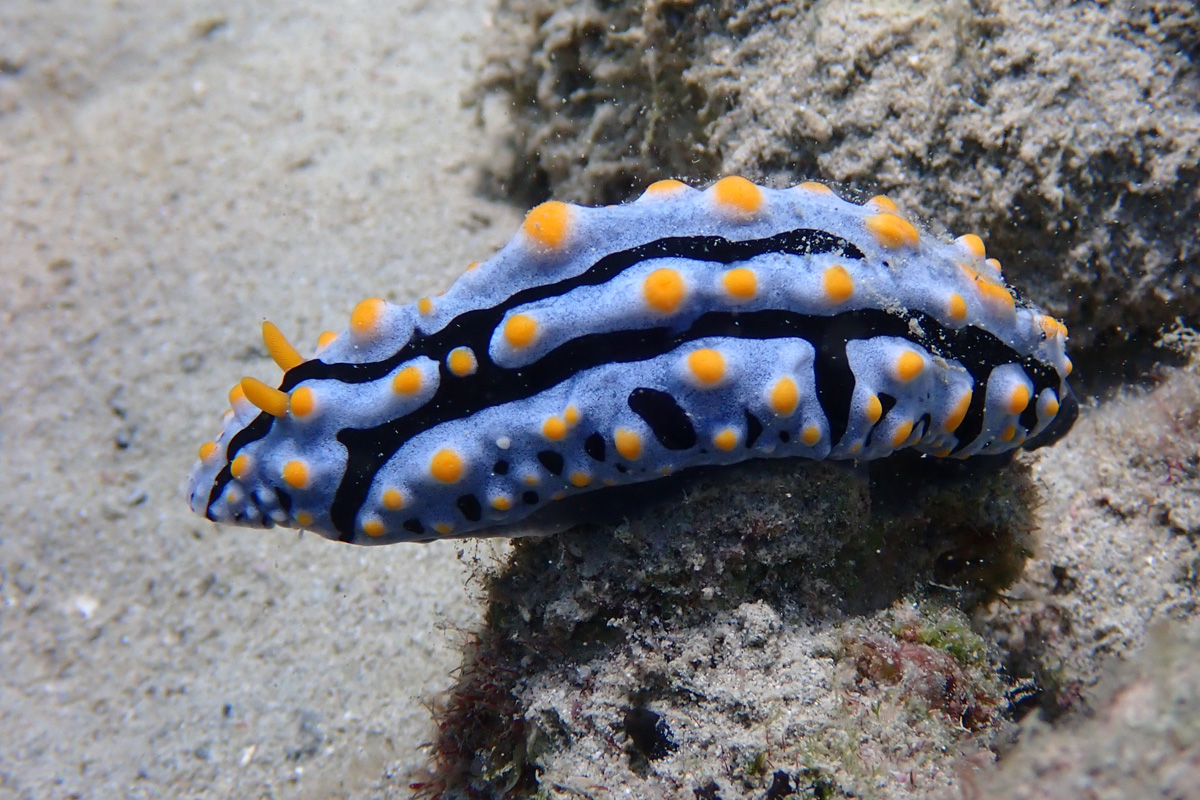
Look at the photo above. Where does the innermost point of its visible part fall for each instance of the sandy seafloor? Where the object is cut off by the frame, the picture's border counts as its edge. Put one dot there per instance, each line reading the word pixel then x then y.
pixel 172 173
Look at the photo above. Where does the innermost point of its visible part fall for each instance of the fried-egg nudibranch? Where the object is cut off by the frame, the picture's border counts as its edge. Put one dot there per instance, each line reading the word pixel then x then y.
pixel 609 346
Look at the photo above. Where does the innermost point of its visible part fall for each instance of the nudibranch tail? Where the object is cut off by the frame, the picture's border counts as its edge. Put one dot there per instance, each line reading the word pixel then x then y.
pixel 604 347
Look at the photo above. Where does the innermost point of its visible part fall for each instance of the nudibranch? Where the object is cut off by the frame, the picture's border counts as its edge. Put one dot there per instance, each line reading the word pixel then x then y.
pixel 609 346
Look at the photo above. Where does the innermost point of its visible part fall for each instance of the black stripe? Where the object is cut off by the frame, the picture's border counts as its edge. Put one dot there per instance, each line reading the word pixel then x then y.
pixel 594 447
pixel 754 429
pixel 977 350
pixel 552 461
pixel 669 423
pixel 468 504
pixel 474 328
pixel 457 398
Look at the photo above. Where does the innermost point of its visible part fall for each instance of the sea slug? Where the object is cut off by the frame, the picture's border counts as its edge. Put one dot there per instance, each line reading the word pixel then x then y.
pixel 604 347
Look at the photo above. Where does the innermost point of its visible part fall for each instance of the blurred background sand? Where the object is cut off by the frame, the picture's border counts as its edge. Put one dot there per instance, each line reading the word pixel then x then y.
pixel 172 173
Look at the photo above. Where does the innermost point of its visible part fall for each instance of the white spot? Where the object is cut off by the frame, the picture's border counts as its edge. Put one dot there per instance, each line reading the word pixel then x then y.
pixel 85 605
pixel 504 443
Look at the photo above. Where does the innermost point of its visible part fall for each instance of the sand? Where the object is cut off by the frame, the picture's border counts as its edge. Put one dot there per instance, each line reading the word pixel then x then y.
pixel 170 175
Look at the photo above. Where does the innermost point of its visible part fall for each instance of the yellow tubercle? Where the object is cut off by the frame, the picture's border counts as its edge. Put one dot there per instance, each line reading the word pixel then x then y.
pixel 548 225
pixel 785 396
pixel 664 290
pixel 892 231
pixel 740 283
pixel 266 398
pixel 302 402
pixel 446 466
pixel 520 330
pixel 883 203
pixel 738 197
pixel 707 366
pixel 367 316
pixel 295 473
pixel 874 409
pixel 972 244
pixel 208 452
pixel 393 500
pixel 281 350
pixel 726 439
pixel 837 284
pixel 628 443
pixel 407 381
pixel 664 187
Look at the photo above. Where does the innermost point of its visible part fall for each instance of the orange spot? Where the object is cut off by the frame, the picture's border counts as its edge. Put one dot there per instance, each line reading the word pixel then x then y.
pixel 474 265
pixel 1008 433
pixel 891 231
pixel 958 413
pixel 269 399
pixel 972 244
pixel 837 283
pixel 726 439
pixel 664 290
pixel 366 316
pixel 374 528
pixel 393 500
pixel 302 402
pixel 580 479
pixel 994 264
pixel 446 466
pixel 629 444
pixel 706 365
pixel 883 203
pixel 995 294
pixel 425 306
pixel 740 283
pixel 547 225
pixel 957 308
pixel 810 435
pixel 1068 367
pixel 1052 327
pixel 554 428
pixel 501 503
pixel 739 196
pixel 461 362
pixel 785 396
pixel 571 415
pixel 1050 406
pixel 909 365
pixel 304 519
pixel 813 186
pixel 874 409
pixel 325 339
pixel 665 187
pixel 520 330
pixel 903 431
pixel 407 381
pixel 240 466
pixel 444 528
pixel 236 395
pixel 296 474
pixel 280 349
pixel 207 451
pixel 1019 399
